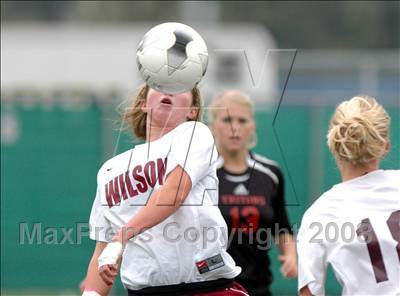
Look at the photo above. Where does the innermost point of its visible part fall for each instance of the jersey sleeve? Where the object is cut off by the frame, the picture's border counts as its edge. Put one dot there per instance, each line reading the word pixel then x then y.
pixel 194 150
pixel 98 224
pixel 281 219
pixel 311 252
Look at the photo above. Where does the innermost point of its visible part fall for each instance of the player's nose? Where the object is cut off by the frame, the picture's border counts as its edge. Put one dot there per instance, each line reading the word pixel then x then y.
pixel 235 125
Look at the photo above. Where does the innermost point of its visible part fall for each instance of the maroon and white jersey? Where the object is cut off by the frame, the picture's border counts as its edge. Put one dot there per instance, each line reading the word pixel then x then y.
pixel 355 227
pixel 190 245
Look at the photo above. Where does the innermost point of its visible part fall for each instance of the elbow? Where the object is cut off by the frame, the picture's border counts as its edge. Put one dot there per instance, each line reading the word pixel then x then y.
pixel 305 291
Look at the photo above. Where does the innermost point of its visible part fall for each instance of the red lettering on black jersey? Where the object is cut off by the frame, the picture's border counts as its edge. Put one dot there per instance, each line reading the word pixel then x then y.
pixel 150 173
pixel 246 218
pixel 112 192
pixel 142 185
pixel 132 192
pixel 230 199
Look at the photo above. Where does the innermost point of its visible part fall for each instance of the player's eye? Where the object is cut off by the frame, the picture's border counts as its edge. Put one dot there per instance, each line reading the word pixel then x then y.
pixel 243 120
pixel 226 119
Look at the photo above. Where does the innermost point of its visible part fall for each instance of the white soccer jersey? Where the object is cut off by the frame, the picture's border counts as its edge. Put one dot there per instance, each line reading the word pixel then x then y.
pixel 190 245
pixel 355 227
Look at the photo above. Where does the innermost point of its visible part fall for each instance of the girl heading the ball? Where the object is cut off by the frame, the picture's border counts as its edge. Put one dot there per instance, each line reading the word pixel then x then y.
pixel 155 214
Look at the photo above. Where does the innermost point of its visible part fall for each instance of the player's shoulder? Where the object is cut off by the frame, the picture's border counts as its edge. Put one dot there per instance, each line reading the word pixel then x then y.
pixel 192 124
pixel 263 160
pixel 193 129
pixel 266 166
pixel 115 161
pixel 394 177
pixel 323 208
pixel 381 181
pixel 391 175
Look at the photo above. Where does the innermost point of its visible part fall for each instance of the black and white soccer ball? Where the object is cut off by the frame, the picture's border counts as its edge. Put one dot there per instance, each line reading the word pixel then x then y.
pixel 172 58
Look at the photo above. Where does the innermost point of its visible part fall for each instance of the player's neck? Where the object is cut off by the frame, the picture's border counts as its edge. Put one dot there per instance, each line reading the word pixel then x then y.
pixel 156 132
pixel 235 161
pixel 349 171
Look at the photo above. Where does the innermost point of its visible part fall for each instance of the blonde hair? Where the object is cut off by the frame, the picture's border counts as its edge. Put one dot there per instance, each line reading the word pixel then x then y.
pixel 136 119
pixel 359 131
pixel 232 96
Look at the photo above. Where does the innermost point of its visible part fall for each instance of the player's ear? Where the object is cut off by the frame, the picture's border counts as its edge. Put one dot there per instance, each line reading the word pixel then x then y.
pixel 253 126
pixel 142 106
pixel 193 113
pixel 388 146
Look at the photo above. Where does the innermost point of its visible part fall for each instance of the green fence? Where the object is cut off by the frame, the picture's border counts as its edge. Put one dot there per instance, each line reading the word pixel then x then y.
pixel 49 161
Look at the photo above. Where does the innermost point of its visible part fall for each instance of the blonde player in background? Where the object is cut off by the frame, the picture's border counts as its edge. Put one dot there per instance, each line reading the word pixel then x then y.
pixel 354 226
pixel 164 195
pixel 251 194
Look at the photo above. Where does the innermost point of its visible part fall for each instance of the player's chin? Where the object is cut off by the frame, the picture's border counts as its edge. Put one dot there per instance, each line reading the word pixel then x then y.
pixel 162 114
pixel 235 147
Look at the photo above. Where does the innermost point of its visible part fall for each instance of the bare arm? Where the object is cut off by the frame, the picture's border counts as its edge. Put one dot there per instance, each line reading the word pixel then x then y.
pixel 305 291
pixel 82 285
pixel 93 281
pixel 162 204
pixel 288 255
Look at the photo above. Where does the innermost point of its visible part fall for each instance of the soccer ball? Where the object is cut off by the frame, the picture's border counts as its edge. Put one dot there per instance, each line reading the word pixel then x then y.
pixel 172 58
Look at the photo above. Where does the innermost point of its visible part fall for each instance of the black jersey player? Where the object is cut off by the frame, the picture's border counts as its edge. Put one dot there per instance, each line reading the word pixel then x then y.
pixel 251 195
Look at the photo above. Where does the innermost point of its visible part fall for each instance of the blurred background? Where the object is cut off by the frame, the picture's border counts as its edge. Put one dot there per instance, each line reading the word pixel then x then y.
pixel 67 65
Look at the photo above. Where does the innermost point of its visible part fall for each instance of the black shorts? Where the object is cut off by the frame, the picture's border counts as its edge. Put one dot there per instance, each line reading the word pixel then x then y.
pixel 184 288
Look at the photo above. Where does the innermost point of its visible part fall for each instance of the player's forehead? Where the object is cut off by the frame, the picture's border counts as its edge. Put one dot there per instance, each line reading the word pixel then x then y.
pixel 234 110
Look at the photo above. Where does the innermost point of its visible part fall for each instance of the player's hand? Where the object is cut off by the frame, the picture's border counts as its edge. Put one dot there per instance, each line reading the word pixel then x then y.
pixel 108 262
pixel 289 265
pixel 82 285
pixel 108 273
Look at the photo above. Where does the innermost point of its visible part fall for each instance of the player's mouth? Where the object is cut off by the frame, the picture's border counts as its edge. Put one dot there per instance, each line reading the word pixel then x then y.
pixel 234 138
pixel 166 101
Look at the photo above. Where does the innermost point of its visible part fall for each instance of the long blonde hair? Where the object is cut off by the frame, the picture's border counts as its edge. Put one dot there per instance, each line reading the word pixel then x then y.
pixel 359 131
pixel 136 119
